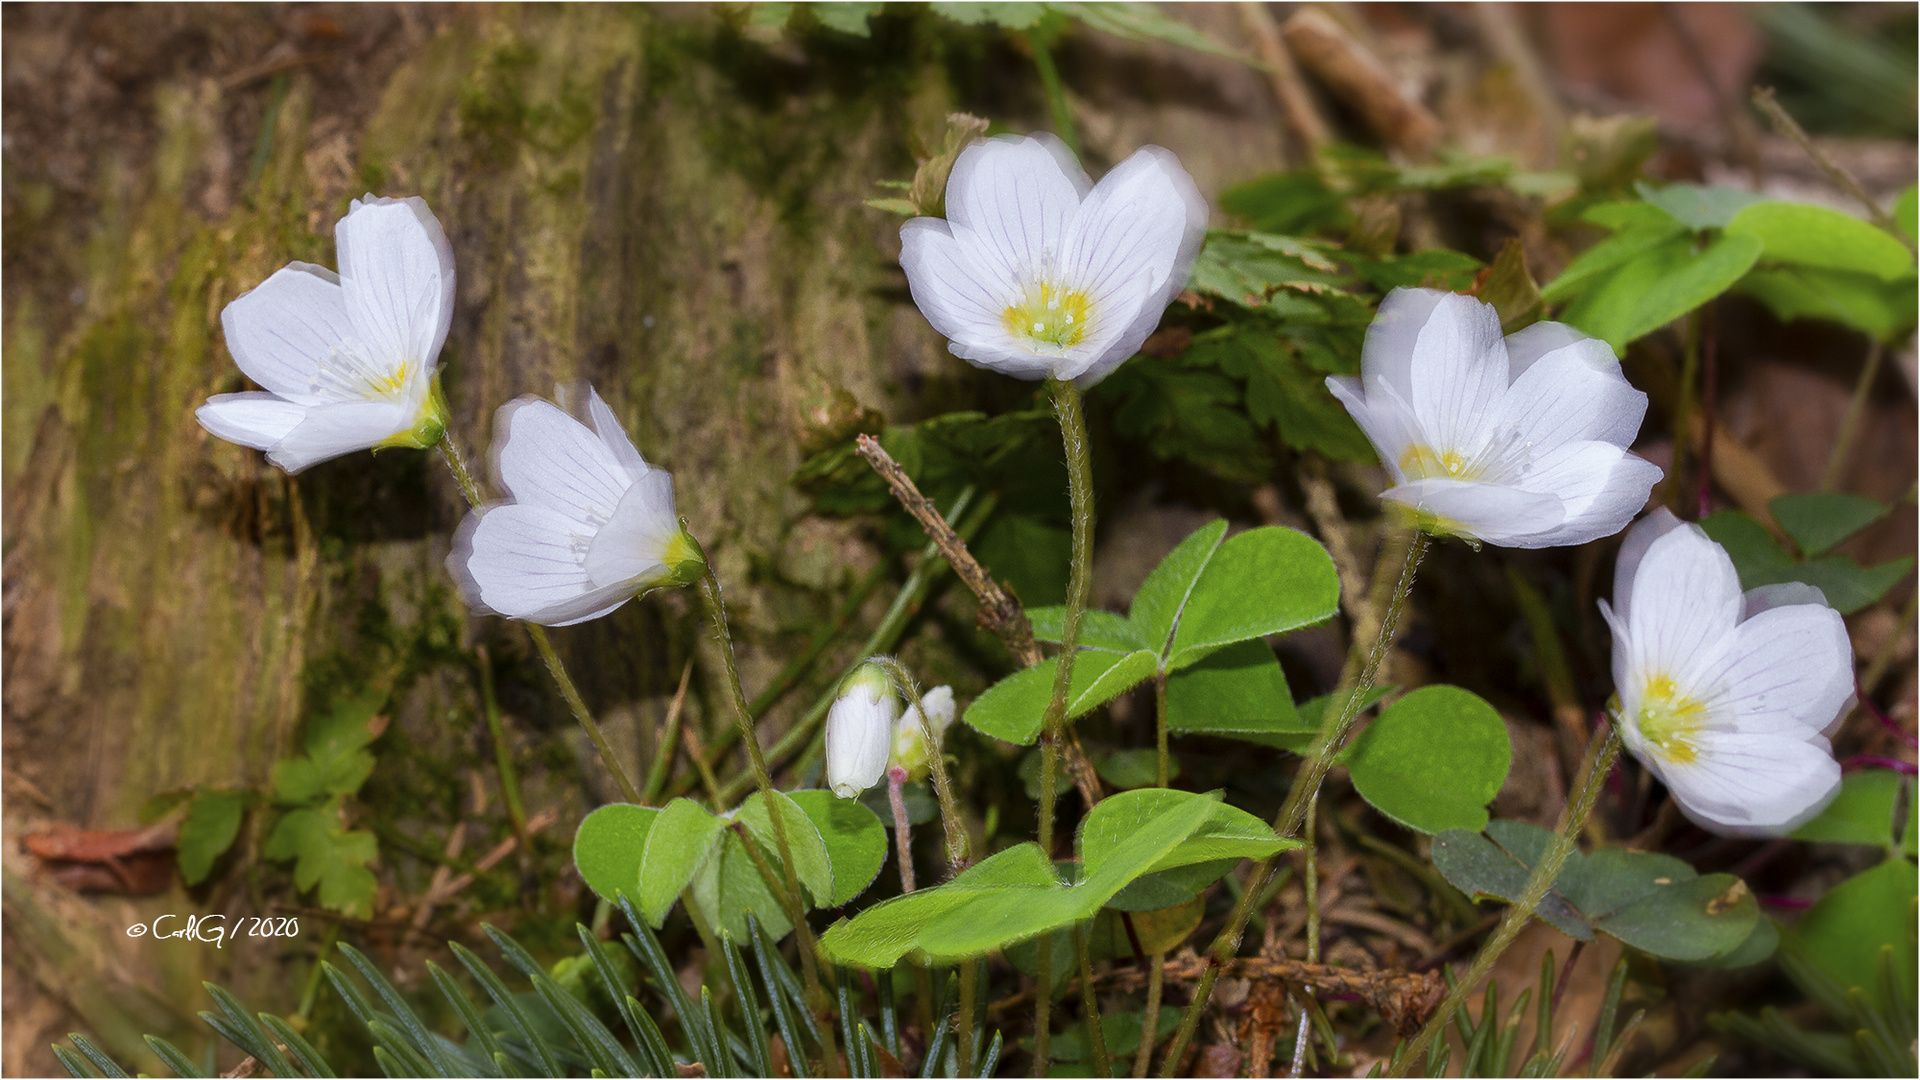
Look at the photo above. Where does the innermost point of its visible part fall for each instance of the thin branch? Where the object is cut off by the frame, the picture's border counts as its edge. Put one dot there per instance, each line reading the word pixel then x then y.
pixel 1763 99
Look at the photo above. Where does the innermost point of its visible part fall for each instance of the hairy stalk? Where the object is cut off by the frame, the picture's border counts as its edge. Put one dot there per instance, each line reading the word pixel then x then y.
pixel 502 751
pixel 796 911
pixel 902 827
pixel 950 820
pixel 663 750
pixel 1162 773
pixel 1856 408
pixel 1073 436
pixel 456 462
pixel 1600 759
pixel 1150 1019
pixel 1311 882
pixel 1400 549
pixel 965 1021
pixel 1090 1004
pixel 1055 90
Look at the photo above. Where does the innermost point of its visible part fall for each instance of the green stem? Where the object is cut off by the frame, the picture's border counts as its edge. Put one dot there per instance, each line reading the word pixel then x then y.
pixel 1090 1004
pixel 796 911
pixel 1073 437
pixel 1056 91
pixel 969 989
pixel 950 820
pixel 450 451
pixel 502 751
pixel 1150 1019
pixel 1400 547
pixel 1600 759
pixel 1162 773
pixel 1856 408
pixel 1683 414
pixel 664 748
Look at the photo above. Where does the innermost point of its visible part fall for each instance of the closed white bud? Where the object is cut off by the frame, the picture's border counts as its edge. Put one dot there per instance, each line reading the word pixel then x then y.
pixel 860 731
pixel 911 750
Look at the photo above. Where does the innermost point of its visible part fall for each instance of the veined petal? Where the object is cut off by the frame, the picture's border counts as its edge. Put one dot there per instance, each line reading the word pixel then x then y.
pixel 331 430
pixel 1572 394
pixel 1016 195
pixel 1459 374
pixel 251 419
pixel 1686 602
pixel 397 270
pixel 526 562
pixel 964 294
pixel 1496 513
pixel 1749 784
pixel 546 458
pixel 1633 549
pixel 1780 594
pixel 1120 319
pixel 632 545
pixel 1383 417
pixel 607 427
pixel 1601 486
pixel 281 331
pixel 1789 666
pixel 1527 345
pixel 1388 352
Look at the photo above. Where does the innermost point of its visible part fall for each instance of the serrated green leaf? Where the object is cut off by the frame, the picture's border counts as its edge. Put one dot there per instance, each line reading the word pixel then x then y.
pixel 1158 602
pixel 1239 692
pixel 812 865
pixel 1433 760
pixel 681 840
pixel 345 727
pixel 1817 236
pixel 1014 708
pixel 608 848
pixel 1099 629
pixel 855 838
pixel 328 855
pixel 1264 581
pixel 1658 286
pixel 1696 206
pixel 349 889
pixel 1819 520
pixel 1288 204
pixel 879 936
pixel 212 822
pixel 1861 814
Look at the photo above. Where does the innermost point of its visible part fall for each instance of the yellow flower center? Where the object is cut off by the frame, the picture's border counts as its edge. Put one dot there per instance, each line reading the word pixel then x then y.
pixel 1422 462
pixel 392 384
pixel 1049 315
pixel 1670 721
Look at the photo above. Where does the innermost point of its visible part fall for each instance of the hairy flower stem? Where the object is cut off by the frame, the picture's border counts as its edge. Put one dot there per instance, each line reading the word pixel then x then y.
pixel 1150 1017
pixel 969 989
pixel 950 820
pixel 1600 758
pixel 1162 773
pixel 1400 555
pixel 796 911
pixel 1073 436
pixel 456 462
pixel 902 828
pixel 1090 1004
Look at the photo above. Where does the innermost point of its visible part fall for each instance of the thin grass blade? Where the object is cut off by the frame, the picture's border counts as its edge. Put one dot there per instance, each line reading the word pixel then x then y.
pixel 181 1064
pixel 106 1065
pixel 759 1054
pixel 410 1022
pixel 302 1051
pixel 516 1016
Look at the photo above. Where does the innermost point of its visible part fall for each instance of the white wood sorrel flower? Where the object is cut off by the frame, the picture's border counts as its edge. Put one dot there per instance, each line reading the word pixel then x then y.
pixel 1517 441
pixel 1726 697
pixel 912 753
pixel 1038 273
pixel 860 730
pixel 347 359
pixel 587 526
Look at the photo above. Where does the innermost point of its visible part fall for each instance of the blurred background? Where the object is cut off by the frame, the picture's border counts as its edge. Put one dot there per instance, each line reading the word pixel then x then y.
pixel 672 202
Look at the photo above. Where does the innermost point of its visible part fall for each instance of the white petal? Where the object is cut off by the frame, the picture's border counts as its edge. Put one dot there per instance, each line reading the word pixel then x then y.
pixel 546 458
pixel 1459 374
pixel 1527 345
pixel 1686 602
pixel 1016 196
pixel 1789 666
pixel 858 738
pixel 524 562
pixel 1383 417
pixel 1496 513
pixel 1658 523
pixel 965 296
pixel 251 419
pixel 331 430
pixel 1748 785
pixel 1782 594
pixel 1601 486
pixel 607 426
pixel 632 544
pixel 397 269
pixel 281 331
pixel 1388 352
pixel 1573 394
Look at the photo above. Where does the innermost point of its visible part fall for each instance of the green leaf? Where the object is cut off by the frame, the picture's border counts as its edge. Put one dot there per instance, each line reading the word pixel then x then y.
pixel 344 728
pixel 847 18
pixel 1264 581
pixel 1478 867
pixel 1883 309
pixel 1758 946
pixel 1819 520
pixel 811 863
pixel 1290 204
pixel 1238 691
pixel 1845 931
pixel 1029 554
pixel 1435 267
pixel 1287 389
pixel 855 838
pixel 1816 236
pixel 1158 603
pixel 1620 216
pixel 727 886
pixel 1098 629
pixel 1313 711
pixel 1698 207
pixel 1903 212
pixel 609 845
pixel 1861 814
pixel 1658 286
pixel 1630 243
pixel 1846 584
pixel 879 936
pixel 1144 22
pixel 682 838
pixel 1691 918
pixel 328 855
pixel 1013 708
pixel 1130 769
pixel 1007 16
pixel 1165 888
pixel 1251 268
pixel 1758 560
pixel 1433 760
pixel 212 823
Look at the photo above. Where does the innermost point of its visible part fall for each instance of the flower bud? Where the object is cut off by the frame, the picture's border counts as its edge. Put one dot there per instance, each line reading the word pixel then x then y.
pixel 860 731
pixel 911 749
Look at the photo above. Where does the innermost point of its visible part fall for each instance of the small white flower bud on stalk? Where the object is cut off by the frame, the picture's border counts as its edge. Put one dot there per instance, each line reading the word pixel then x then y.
pixel 911 750
pixel 860 731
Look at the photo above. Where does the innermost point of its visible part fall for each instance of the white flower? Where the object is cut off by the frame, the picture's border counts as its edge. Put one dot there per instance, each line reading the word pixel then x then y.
pixel 347 359
pixel 1518 442
pixel 860 730
pixel 588 524
pixel 911 750
pixel 1034 275
pixel 1726 697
